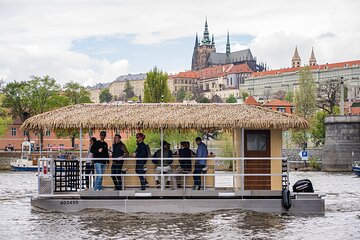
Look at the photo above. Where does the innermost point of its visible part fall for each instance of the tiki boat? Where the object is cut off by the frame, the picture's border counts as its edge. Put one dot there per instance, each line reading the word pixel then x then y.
pixel 259 180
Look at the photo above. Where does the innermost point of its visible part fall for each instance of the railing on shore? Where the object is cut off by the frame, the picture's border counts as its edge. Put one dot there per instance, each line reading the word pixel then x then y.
pixel 59 175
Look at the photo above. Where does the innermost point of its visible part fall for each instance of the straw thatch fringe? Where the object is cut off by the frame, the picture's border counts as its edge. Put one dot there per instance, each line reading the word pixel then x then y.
pixel 163 115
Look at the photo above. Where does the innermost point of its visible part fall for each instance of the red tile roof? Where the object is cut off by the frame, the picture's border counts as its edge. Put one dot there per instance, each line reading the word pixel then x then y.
pixel 189 74
pixel 212 72
pixel 277 102
pixel 317 67
pixel 250 100
pixel 241 68
pixel 355 110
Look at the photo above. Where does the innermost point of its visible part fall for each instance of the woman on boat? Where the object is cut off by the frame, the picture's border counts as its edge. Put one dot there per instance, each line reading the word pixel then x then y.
pixel 141 154
pixel 119 151
pixel 100 150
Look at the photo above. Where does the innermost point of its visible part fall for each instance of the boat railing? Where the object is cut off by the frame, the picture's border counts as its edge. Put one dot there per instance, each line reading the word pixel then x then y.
pixel 70 175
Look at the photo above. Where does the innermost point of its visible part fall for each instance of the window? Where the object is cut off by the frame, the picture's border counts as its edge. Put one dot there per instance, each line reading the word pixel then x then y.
pixel 280 109
pixel 13 131
pixel 47 133
pixel 256 142
pixel 25 133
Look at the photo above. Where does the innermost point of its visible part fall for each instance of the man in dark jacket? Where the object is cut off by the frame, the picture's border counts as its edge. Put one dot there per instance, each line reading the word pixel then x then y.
pixel 100 150
pixel 185 154
pixel 141 154
pixel 119 151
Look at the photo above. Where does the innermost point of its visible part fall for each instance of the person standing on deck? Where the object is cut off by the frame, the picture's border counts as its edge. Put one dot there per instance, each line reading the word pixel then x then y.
pixel 100 150
pixel 89 167
pixel 201 152
pixel 119 151
pixel 141 154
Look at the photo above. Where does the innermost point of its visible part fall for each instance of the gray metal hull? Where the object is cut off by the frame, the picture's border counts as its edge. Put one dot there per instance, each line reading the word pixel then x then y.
pixel 299 206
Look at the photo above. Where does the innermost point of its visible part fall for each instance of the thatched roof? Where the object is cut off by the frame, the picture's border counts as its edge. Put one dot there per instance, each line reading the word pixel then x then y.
pixel 168 116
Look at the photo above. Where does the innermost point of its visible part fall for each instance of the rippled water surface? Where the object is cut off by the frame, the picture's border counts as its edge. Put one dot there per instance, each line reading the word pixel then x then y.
pixel 341 220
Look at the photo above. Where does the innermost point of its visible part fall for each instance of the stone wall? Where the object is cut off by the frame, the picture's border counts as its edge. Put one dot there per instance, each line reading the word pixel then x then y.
pixel 6 158
pixel 342 143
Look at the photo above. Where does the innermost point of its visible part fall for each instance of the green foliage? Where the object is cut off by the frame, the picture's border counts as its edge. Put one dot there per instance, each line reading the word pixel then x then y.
pixel 181 95
pixel 305 98
pixel 318 127
pixel 314 163
pixel 128 90
pixel 174 137
pixel 156 87
pixel 244 95
pixel 17 99
pixel 5 119
pixel 76 93
pixel 289 96
pixel 204 100
pixel 298 137
pixel 231 99
pixel 105 96
pixel 227 148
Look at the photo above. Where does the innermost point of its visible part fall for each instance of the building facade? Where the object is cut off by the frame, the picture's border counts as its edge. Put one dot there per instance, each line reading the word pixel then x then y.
pixel 287 79
pixel 136 80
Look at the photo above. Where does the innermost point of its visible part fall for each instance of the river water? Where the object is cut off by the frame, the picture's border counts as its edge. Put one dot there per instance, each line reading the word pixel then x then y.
pixel 341 220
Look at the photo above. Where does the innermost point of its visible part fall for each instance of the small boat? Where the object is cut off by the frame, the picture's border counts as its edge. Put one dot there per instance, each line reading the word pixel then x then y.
pixel 356 169
pixel 24 163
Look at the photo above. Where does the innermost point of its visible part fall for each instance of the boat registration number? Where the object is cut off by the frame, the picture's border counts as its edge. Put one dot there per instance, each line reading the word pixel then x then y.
pixel 71 202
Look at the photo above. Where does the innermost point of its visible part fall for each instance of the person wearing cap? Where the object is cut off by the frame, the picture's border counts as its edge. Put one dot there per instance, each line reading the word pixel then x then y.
pixel 141 154
pixel 200 162
pixel 100 153
pixel 167 153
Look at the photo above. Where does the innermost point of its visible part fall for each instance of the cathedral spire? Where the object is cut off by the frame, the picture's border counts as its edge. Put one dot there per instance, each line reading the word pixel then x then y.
pixel 196 41
pixel 213 40
pixel 206 39
pixel 228 44
pixel 296 60
pixel 312 60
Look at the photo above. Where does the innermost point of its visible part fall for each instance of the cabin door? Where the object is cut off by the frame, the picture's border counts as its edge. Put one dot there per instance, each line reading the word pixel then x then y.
pixel 257 144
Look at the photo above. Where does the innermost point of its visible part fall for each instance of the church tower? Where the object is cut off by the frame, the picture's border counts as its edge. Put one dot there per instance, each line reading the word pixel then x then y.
pixel 296 60
pixel 228 44
pixel 203 50
pixel 312 60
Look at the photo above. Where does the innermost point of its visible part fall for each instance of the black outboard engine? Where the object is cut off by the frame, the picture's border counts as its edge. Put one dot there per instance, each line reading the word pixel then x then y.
pixel 303 185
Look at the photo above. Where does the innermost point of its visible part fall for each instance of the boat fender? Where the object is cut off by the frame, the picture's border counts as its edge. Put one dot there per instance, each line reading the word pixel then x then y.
pixel 286 199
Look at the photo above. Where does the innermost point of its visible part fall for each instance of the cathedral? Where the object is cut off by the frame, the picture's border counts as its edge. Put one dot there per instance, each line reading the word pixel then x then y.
pixel 205 54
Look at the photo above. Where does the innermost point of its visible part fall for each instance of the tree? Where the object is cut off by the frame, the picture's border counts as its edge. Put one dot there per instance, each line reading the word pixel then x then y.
pixel 128 90
pixel 76 93
pixel 5 118
pixel 289 96
pixel 36 96
pixel 180 95
pixel 318 127
pixel 231 99
pixel 305 97
pixel 105 96
pixel 304 102
pixel 280 94
pixel 197 94
pixel 156 87
pixel 267 94
pixel 244 95
pixel 328 95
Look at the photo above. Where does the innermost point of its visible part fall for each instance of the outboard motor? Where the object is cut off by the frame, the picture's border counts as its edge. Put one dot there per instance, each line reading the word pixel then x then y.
pixel 303 185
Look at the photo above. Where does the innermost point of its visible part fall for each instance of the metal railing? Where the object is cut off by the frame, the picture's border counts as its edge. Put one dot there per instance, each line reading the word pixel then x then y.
pixel 69 175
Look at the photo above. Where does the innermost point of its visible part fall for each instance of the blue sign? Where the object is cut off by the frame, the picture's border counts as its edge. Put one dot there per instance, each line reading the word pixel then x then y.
pixel 304 155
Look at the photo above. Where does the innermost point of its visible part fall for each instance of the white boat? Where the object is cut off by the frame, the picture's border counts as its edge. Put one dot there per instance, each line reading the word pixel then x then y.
pixel 25 162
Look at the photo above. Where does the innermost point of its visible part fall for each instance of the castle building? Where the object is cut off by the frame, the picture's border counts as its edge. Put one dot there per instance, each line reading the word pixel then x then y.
pixel 296 60
pixel 205 54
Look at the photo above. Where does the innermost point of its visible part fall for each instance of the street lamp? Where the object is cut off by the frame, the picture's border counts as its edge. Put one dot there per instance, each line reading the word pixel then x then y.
pixel 341 96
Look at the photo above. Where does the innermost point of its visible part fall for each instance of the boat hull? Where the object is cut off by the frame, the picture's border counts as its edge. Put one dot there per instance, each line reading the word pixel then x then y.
pixel 200 205
pixel 25 169
pixel 356 170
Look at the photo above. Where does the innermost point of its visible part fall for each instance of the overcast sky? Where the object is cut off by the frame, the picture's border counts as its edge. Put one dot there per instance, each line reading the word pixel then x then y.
pixel 96 41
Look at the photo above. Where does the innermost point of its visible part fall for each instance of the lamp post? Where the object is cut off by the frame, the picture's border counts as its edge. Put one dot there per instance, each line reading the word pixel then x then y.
pixel 341 96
